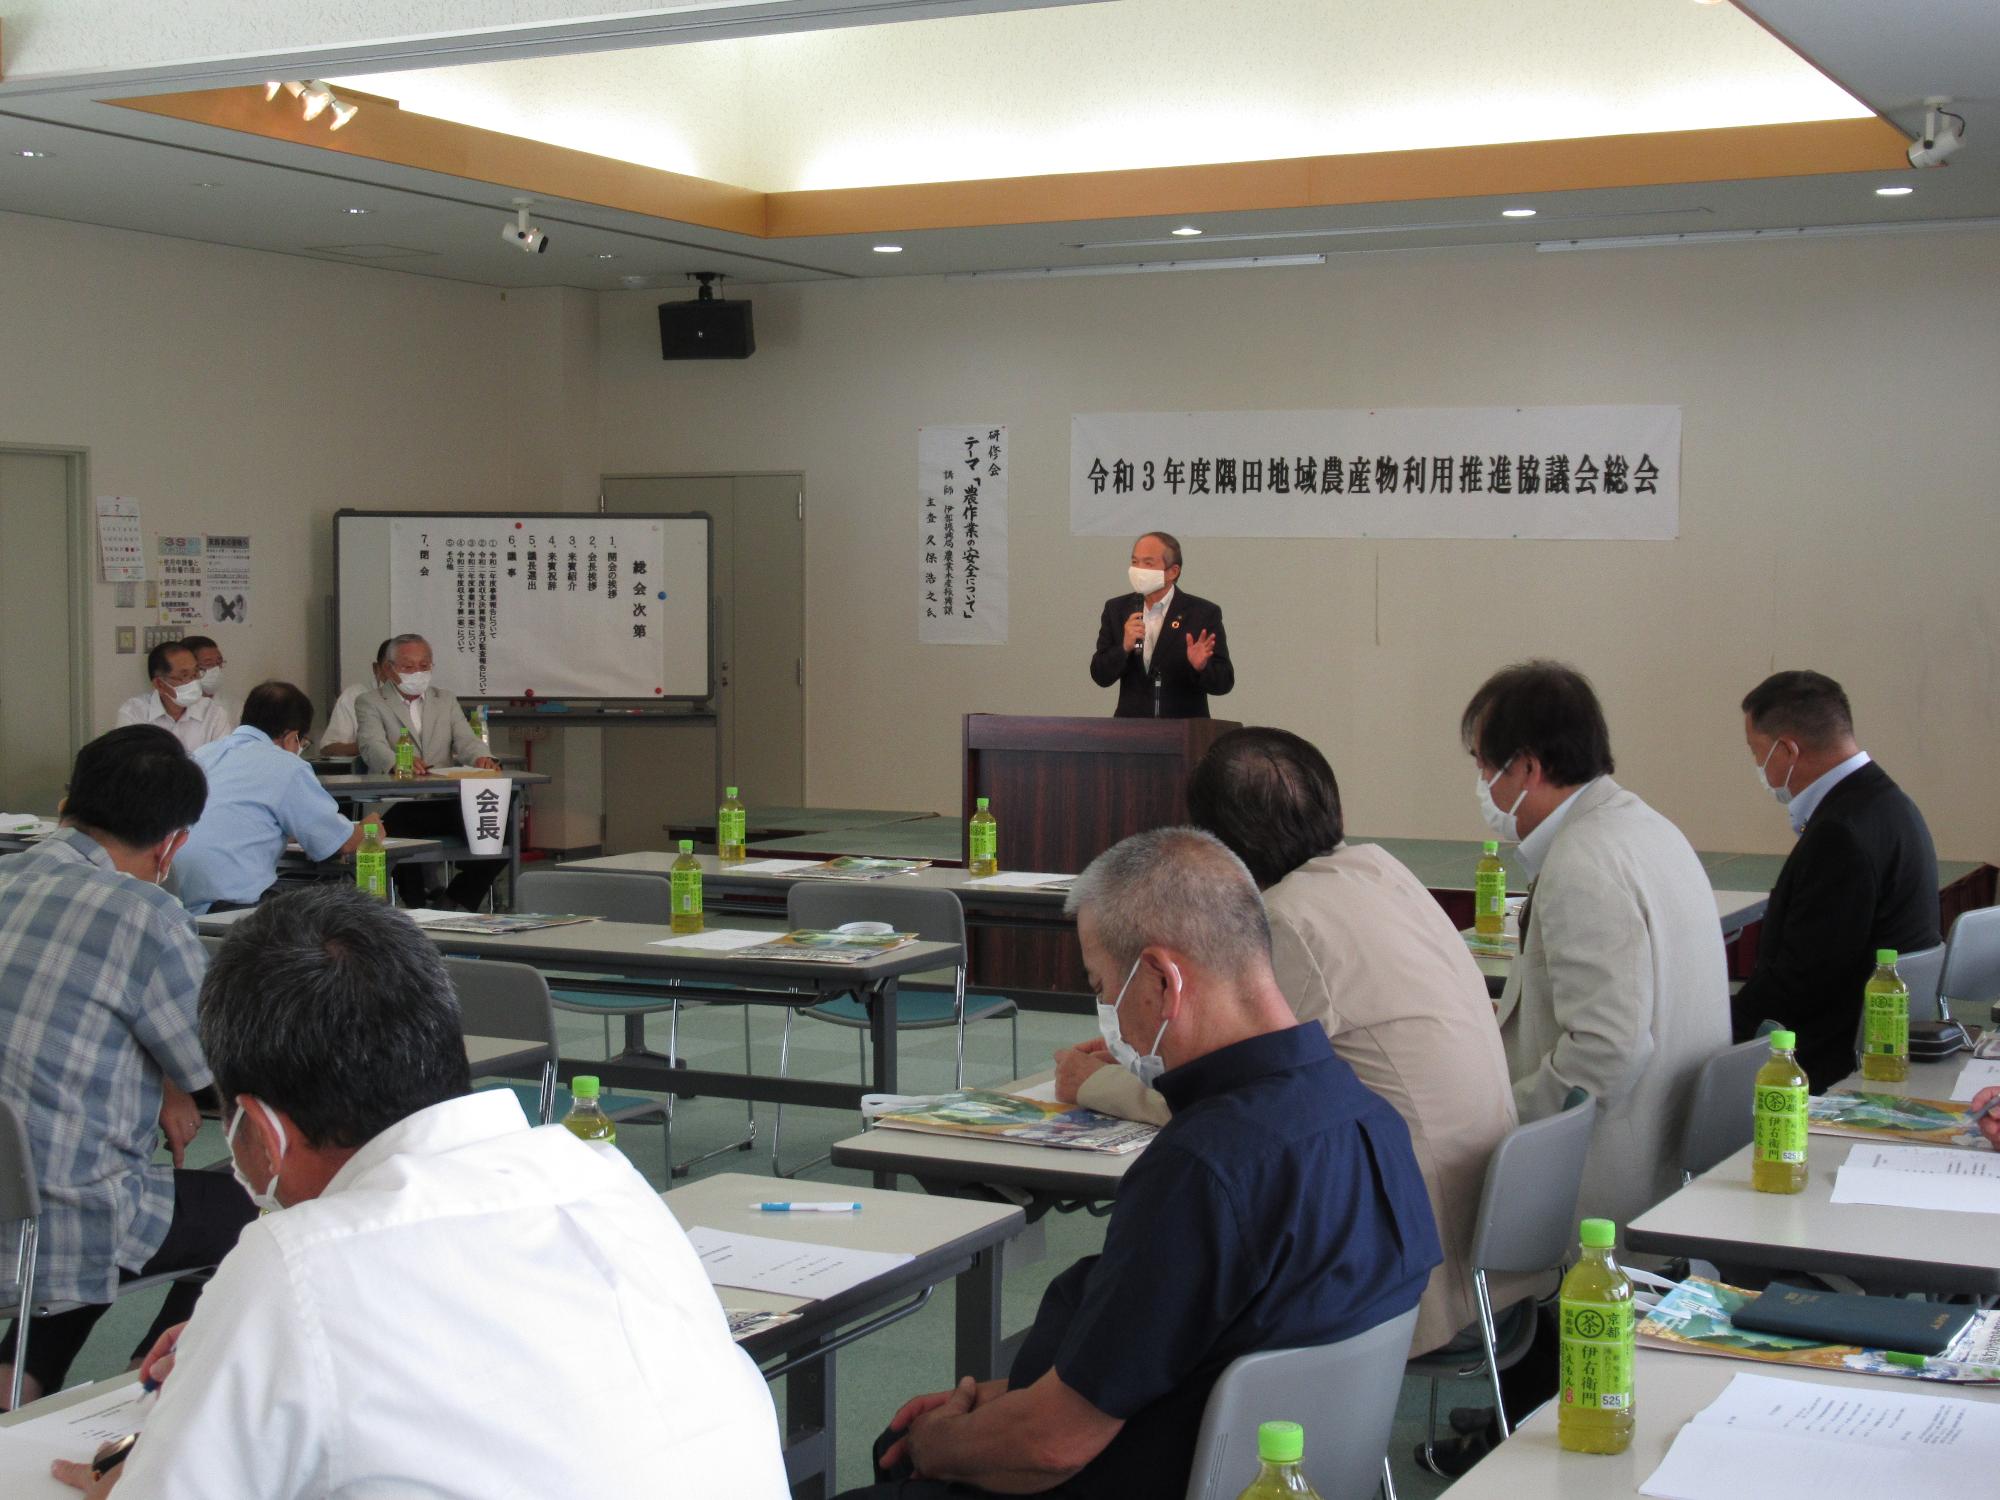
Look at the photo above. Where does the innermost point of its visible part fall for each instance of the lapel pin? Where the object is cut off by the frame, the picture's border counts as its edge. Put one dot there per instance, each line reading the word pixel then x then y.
pixel 1175 626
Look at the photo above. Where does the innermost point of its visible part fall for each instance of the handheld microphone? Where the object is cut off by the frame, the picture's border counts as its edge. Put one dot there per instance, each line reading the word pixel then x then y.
pixel 1139 608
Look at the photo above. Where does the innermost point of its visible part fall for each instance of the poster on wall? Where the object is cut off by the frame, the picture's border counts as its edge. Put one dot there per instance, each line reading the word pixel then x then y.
pixel 228 580
pixel 1545 472
pixel 183 593
pixel 962 535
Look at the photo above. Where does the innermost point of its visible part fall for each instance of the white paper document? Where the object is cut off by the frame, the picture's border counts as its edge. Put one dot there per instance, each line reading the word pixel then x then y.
pixel 789 1268
pixel 771 867
pixel 1979 1073
pixel 715 940
pixel 1044 1091
pixel 1024 880
pixel 76 1432
pixel 1942 1177
pixel 423 916
pixel 1783 1439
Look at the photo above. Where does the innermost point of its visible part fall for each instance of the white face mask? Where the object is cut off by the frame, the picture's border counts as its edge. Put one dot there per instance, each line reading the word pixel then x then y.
pixel 267 1200
pixel 1502 825
pixel 415 684
pixel 1783 794
pixel 1149 1067
pixel 1147 580
pixel 187 694
pixel 211 681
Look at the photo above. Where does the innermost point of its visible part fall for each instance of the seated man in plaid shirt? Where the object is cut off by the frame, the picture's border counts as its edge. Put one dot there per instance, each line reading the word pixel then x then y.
pixel 99 971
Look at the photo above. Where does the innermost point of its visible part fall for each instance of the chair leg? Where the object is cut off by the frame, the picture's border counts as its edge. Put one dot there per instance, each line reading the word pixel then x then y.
pixel 24 1264
pixel 1014 1021
pixel 749 1105
pixel 778 1111
pixel 958 1007
pixel 1430 1434
pixel 1388 1480
pixel 1488 1335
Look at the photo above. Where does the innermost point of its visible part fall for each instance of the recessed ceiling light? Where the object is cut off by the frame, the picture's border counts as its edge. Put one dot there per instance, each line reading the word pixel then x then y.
pixel 604 255
pixel 1517 213
pixel 1894 192
pixel 33 155
pixel 357 210
pixel 888 249
pixel 1187 231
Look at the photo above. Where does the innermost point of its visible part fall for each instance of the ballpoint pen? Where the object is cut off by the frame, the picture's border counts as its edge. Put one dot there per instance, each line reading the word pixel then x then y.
pixel 806 1208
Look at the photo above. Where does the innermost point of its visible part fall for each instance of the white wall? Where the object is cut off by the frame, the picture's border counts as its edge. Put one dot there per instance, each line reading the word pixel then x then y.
pixel 1838 505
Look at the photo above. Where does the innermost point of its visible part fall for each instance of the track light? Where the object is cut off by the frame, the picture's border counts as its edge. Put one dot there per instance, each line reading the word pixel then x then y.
pixel 522 235
pixel 271 90
pixel 342 113
pixel 316 98
pixel 1939 140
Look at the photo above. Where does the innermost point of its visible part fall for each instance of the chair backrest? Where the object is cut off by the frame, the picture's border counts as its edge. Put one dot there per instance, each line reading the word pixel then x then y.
pixel 212 943
pixel 1972 957
pixel 1922 973
pixel 1527 1209
pixel 19 1196
pixel 509 1001
pixel 934 916
pixel 1722 1115
pixel 612 895
pixel 1343 1394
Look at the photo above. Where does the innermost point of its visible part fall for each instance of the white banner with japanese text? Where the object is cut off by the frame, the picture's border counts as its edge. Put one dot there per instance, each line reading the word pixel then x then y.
pixel 1544 472
pixel 962 535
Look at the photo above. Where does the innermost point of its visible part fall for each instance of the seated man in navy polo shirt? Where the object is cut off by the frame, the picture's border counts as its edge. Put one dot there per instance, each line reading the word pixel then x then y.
pixel 1281 1208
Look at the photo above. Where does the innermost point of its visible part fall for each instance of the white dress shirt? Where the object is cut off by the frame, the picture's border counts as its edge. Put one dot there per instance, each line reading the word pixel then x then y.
pixel 1803 804
pixel 1155 616
pixel 1535 847
pixel 472 1310
pixel 340 725
pixel 200 725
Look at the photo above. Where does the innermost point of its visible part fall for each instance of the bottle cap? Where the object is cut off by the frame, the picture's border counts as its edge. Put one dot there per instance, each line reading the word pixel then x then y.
pixel 1491 846
pixel 687 846
pixel 729 792
pixel 583 1086
pixel 1886 957
pixel 982 804
pixel 1784 1041
pixel 1598 1234
pixel 1281 1442
pixel 371 829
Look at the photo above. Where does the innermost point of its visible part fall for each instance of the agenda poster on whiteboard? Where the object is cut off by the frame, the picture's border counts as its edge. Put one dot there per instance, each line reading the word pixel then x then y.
pixel 567 608
pixel 1545 472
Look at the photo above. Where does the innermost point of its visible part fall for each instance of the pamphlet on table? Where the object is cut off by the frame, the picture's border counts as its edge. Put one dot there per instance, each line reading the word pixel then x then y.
pixel 814 946
pixel 1894 1117
pixel 864 867
pixel 495 924
pixel 1014 1118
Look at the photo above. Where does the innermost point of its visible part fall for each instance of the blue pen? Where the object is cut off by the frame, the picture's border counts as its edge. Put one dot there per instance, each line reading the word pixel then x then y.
pixel 807 1208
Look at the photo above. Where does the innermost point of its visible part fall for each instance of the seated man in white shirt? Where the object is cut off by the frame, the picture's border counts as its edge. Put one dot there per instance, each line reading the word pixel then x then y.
pixel 450 1303
pixel 175 700
pixel 208 665
pixel 343 737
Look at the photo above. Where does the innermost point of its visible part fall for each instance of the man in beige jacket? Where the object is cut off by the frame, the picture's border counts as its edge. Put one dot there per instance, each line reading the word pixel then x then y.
pixel 1359 946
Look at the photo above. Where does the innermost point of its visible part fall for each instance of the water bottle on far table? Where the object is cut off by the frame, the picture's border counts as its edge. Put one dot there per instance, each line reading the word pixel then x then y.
pixel 1885 1050
pixel 586 1119
pixel 1595 1414
pixel 406 757
pixel 684 890
pixel 1280 1448
pixel 731 830
pixel 982 843
pixel 1489 892
pixel 371 863
pixel 1778 1153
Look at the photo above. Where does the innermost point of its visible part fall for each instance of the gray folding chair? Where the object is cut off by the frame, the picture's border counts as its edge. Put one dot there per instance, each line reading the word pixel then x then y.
pixel 1343 1394
pixel 935 917
pixel 1722 1115
pixel 1971 970
pixel 1526 1224
pixel 511 1002
pixel 1923 973
pixel 618 896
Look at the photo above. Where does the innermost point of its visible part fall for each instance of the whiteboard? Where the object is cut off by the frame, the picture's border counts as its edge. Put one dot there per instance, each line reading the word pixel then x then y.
pixel 555 605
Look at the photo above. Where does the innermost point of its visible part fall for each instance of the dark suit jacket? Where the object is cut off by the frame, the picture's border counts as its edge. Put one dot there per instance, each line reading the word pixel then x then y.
pixel 1183 691
pixel 1862 876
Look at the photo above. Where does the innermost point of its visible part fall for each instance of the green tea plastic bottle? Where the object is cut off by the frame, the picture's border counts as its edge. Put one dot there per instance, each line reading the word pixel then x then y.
pixel 1778 1151
pixel 371 862
pixel 1595 1414
pixel 1489 892
pixel 1885 1049
pixel 731 830
pixel 406 757
pixel 982 843
pixel 586 1119
pixel 1280 1447
pixel 684 881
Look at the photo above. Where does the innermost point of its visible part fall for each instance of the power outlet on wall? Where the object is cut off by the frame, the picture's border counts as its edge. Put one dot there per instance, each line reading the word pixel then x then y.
pixel 160 635
pixel 128 640
pixel 125 595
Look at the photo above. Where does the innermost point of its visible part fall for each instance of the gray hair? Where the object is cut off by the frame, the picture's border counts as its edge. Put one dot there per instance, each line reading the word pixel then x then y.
pixel 397 642
pixel 1179 887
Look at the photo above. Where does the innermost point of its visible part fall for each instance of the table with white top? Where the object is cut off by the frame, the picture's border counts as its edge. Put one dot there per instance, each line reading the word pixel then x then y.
pixel 631 950
pixel 1719 1217
pixel 1668 1390
pixel 359 788
pixel 946 1238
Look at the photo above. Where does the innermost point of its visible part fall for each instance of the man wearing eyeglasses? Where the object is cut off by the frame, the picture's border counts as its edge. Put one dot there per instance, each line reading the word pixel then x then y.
pixel 175 700
pixel 261 793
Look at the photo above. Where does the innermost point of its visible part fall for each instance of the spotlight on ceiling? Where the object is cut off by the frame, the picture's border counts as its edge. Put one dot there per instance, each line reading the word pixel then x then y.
pixel 1940 140
pixel 316 96
pixel 522 235
pixel 342 113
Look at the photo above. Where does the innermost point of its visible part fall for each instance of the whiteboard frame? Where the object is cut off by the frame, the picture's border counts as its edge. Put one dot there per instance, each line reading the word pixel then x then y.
pixel 708 613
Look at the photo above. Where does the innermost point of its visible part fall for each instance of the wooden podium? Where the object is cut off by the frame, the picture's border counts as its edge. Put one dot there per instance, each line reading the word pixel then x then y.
pixel 1064 791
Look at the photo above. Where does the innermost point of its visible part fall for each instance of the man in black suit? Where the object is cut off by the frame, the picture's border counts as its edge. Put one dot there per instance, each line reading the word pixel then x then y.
pixel 1163 648
pixel 1862 876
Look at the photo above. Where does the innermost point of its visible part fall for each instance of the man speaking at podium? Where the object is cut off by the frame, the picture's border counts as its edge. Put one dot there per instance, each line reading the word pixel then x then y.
pixel 1163 648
